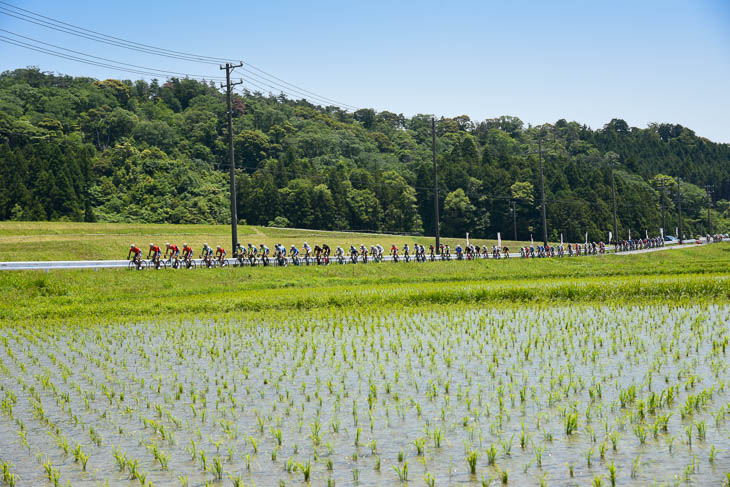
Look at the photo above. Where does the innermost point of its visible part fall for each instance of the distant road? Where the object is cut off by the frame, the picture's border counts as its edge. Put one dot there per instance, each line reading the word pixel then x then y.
pixel 107 264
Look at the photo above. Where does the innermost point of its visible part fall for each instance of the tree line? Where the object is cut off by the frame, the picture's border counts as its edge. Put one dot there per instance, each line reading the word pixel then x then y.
pixel 75 148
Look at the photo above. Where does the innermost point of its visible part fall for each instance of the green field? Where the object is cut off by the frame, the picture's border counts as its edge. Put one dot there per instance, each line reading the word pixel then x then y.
pixel 90 241
pixel 684 275
pixel 573 371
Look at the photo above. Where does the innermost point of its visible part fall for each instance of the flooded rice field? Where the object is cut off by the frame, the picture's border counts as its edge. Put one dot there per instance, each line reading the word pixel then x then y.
pixel 555 396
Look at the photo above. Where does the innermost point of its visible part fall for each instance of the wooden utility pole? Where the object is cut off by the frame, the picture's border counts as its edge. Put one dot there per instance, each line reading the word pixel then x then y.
pixel 542 190
pixel 514 217
pixel 662 186
pixel 679 207
pixel 435 185
pixel 708 188
pixel 234 211
pixel 612 164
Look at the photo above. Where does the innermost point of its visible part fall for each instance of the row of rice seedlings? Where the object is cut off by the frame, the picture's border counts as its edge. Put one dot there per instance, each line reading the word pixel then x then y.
pixel 495 405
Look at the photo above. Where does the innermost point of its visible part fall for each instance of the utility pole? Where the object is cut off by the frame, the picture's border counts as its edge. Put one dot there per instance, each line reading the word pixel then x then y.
pixel 663 185
pixel 542 189
pixel 514 217
pixel 679 207
pixel 435 185
pixel 708 188
pixel 612 163
pixel 234 211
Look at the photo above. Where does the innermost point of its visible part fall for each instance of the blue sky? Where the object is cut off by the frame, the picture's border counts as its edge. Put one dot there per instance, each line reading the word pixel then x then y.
pixel 589 61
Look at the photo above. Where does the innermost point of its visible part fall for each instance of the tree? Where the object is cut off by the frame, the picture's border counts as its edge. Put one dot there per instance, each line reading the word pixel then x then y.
pixel 458 213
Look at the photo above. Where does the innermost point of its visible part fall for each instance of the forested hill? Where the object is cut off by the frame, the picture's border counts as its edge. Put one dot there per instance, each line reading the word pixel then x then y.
pixel 82 149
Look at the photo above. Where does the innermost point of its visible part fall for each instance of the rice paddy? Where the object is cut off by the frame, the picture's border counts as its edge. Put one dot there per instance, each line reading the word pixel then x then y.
pixel 465 396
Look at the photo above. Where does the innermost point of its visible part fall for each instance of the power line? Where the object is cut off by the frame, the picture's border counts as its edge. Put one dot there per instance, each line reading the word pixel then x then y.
pixel 296 87
pixel 74 58
pixel 147 69
pixel 58 25
pixel 67 28
pixel 267 88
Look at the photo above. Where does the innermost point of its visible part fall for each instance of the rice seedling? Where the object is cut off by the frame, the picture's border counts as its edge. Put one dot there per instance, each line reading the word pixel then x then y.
pixel 612 474
pixel 402 472
pixel 305 469
pixel 471 460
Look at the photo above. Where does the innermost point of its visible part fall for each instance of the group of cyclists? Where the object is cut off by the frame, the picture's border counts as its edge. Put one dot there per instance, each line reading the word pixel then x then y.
pixel 252 255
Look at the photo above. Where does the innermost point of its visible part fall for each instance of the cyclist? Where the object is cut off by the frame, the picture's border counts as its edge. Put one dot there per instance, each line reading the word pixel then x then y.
pixel 431 253
pixel 294 253
pixel 239 251
pixel 394 253
pixel 206 254
pixel 364 253
pixel 137 252
pixel 220 254
pixel 252 251
pixel 174 254
pixel 353 254
pixel 326 253
pixel 307 252
pixel 318 254
pixel 459 252
pixel 187 252
pixel 156 253
pixel 264 254
pixel 280 253
pixel 406 252
pixel 340 255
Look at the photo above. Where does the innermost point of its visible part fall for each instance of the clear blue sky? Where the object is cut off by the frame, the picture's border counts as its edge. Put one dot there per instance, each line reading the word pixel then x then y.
pixel 589 61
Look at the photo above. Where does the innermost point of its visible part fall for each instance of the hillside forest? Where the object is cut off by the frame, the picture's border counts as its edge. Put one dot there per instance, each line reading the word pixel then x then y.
pixel 80 149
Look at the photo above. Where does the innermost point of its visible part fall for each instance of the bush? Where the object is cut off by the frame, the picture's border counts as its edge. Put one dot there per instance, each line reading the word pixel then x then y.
pixel 280 222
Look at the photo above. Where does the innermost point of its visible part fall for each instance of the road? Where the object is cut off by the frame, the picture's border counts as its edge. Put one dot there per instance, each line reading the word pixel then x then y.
pixel 104 264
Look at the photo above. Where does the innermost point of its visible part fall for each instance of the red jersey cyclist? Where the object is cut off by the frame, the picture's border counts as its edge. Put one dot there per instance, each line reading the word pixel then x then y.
pixel 155 253
pixel 220 253
pixel 174 252
pixel 134 250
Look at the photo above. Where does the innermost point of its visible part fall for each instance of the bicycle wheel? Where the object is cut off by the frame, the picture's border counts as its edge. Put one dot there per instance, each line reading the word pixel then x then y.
pixel 144 264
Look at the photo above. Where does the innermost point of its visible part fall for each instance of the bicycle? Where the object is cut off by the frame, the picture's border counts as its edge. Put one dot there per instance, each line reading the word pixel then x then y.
pixel 173 264
pixel 221 262
pixel 189 263
pixel 157 263
pixel 137 264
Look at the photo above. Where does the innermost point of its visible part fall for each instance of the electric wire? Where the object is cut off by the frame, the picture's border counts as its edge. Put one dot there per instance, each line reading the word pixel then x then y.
pixel 54 24
pixel 145 68
pixel 261 75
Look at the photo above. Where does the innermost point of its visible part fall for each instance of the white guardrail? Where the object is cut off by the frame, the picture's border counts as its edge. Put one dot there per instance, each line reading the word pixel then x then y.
pixel 104 264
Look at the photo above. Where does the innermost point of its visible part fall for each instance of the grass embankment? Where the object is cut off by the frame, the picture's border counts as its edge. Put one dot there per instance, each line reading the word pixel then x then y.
pixel 676 276
pixel 84 241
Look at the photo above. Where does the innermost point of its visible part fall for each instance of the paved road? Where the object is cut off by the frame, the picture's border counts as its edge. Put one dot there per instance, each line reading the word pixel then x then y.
pixel 102 264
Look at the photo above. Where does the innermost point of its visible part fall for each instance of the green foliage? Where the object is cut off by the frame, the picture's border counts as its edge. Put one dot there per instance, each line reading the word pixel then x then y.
pixel 116 150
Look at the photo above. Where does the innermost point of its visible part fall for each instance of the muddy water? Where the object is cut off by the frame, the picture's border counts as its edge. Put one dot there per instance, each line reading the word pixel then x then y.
pixel 483 378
